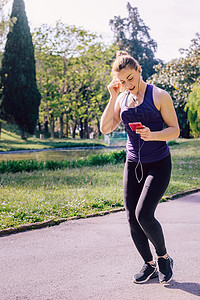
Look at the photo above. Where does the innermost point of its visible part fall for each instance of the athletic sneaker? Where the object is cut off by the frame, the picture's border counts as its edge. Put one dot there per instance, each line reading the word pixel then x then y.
pixel 165 269
pixel 147 272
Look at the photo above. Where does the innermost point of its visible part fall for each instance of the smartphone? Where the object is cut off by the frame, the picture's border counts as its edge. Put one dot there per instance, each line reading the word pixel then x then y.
pixel 136 125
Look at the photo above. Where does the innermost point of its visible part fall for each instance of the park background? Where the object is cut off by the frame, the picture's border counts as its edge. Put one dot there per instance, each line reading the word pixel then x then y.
pixel 53 93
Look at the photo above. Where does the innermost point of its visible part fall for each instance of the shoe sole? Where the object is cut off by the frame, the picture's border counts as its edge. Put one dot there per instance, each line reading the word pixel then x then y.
pixel 149 277
pixel 164 282
pixel 171 265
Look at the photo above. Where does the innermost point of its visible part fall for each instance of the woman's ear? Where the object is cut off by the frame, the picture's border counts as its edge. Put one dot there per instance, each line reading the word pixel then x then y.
pixel 139 69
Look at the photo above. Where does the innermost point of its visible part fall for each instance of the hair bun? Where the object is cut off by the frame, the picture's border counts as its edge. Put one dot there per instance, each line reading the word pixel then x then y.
pixel 121 53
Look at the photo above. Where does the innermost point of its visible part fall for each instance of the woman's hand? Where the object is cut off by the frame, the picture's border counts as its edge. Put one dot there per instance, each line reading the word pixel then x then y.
pixel 145 134
pixel 114 87
pixel 111 115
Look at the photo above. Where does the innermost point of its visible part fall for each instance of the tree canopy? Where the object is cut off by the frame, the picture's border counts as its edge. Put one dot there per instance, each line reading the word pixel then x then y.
pixel 131 34
pixel 193 110
pixel 178 77
pixel 73 68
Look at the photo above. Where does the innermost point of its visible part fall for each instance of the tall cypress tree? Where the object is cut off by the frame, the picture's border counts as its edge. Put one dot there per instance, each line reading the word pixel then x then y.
pixel 20 95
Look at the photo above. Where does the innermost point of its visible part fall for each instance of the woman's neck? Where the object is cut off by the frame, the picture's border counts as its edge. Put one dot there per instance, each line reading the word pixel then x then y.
pixel 142 89
pixel 140 94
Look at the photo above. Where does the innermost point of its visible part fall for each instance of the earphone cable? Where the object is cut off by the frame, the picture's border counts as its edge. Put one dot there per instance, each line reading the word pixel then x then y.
pixel 139 164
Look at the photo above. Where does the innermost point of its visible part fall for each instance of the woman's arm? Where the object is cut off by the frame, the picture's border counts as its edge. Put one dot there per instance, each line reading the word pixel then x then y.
pixel 111 115
pixel 164 103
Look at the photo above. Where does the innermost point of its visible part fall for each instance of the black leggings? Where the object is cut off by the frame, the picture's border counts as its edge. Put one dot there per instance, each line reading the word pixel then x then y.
pixel 141 200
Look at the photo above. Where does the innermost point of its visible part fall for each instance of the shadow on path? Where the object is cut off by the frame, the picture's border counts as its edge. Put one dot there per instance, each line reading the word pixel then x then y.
pixel 189 287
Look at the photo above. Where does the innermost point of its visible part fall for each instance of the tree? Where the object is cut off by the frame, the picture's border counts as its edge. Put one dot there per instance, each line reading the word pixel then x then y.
pixel 20 95
pixel 178 77
pixel 193 110
pixel 54 46
pixel 94 75
pixel 72 68
pixel 131 34
pixel 57 49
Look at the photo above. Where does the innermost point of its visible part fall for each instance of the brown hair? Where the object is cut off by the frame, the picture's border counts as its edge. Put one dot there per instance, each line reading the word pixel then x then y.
pixel 123 60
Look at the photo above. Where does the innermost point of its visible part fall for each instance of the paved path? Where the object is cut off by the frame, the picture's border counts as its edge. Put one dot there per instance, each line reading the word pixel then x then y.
pixel 95 259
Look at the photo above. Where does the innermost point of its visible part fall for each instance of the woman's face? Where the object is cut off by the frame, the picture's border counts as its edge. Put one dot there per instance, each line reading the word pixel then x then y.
pixel 129 79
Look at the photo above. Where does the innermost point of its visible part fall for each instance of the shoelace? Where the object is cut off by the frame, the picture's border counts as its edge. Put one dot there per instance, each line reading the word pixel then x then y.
pixel 146 265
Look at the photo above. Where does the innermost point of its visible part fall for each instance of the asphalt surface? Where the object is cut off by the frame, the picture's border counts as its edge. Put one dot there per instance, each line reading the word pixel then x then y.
pixel 95 258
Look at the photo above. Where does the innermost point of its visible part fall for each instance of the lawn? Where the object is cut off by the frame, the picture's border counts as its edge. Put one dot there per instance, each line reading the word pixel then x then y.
pixel 42 195
pixel 11 141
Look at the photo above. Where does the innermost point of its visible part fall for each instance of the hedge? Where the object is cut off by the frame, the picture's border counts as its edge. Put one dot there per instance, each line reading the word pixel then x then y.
pixel 14 166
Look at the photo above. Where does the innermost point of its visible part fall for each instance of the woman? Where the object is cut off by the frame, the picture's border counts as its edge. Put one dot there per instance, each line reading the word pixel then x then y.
pixel 148 164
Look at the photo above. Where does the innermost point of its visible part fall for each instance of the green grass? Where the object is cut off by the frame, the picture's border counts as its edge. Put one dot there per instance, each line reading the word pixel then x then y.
pixel 11 141
pixel 42 195
pixel 186 166
pixel 37 196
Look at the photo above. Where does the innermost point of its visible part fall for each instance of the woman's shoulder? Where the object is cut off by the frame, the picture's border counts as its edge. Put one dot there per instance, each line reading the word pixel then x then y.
pixel 160 92
pixel 160 96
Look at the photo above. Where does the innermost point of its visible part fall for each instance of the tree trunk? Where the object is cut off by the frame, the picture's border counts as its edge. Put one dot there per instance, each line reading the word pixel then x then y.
pixel 187 129
pixel 86 129
pixel 52 125
pixel 0 129
pixel 67 126
pixel 23 133
pixel 98 126
pixel 46 129
pixel 81 131
pixel 61 126
pixel 74 131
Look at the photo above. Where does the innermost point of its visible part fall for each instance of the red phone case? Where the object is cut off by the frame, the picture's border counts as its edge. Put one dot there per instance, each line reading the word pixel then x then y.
pixel 136 125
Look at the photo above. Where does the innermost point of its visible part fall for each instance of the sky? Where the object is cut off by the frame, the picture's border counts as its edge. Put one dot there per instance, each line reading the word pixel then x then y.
pixel 172 23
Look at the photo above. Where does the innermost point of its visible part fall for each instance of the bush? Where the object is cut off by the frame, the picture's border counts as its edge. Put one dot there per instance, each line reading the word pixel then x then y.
pixel 112 157
pixel 12 166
